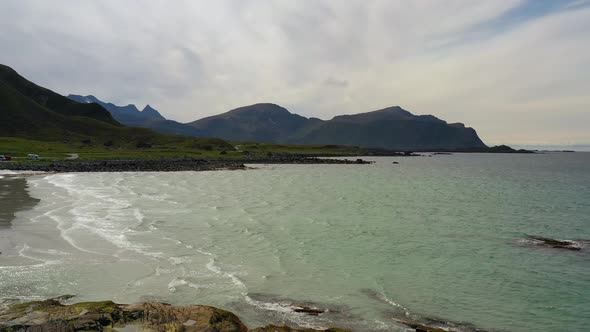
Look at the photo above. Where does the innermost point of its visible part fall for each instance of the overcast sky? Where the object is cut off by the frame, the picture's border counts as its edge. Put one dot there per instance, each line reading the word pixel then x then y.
pixel 517 71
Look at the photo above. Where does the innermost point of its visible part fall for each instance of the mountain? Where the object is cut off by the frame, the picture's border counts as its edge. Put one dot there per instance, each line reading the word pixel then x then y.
pixel 34 112
pixel 18 88
pixel 147 118
pixel 128 115
pixel 260 123
pixel 151 113
pixel 391 128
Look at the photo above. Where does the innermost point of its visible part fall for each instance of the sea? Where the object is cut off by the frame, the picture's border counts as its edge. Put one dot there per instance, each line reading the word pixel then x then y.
pixel 444 240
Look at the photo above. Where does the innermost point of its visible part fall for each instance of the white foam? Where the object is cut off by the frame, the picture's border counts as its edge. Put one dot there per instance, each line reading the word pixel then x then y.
pixel 23 253
pixel 211 266
pixel 177 260
pixel 197 286
pixel 288 310
pixel 176 282
pixel 100 208
pixel 393 303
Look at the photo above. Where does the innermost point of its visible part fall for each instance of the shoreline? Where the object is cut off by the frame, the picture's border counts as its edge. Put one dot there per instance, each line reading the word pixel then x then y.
pixel 55 315
pixel 59 314
pixel 168 165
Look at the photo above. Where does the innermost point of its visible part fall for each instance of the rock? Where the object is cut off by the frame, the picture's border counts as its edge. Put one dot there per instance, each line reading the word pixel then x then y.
pixel 553 243
pixel 53 316
pixel 309 311
pixel 172 165
pixel 423 328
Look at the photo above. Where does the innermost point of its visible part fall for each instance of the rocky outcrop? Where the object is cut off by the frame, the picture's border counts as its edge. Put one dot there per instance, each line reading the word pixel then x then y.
pixel 53 316
pixel 557 244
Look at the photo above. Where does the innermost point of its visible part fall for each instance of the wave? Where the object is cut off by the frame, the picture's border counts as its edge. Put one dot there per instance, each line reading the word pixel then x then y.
pixel 98 208
pixel 303 315
pixel 43 262
pixel 292 312
pixel 404 316
pixel 175 283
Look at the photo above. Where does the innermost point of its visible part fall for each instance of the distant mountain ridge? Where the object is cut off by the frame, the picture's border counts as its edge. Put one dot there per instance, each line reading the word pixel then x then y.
pixel 122 114
pixel 149 117
pixel 30 111
pixel 392 128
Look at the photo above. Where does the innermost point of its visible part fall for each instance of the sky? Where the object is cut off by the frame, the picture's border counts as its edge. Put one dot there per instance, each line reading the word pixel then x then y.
pixel 518 71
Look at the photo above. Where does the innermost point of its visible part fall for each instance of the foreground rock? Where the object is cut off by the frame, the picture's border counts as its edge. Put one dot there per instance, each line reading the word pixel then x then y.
pixel 53 316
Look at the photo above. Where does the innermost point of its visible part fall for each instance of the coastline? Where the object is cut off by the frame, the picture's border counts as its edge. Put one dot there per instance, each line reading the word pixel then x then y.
pixel 59 314
pixel 167 165
pixel 54 315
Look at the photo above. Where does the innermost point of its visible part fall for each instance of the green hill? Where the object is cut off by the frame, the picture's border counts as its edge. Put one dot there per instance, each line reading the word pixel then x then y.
pixel 51 100
pixel 35 113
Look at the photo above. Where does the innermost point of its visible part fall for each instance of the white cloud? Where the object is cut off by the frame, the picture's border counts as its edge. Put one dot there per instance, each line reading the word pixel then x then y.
pixel 319 58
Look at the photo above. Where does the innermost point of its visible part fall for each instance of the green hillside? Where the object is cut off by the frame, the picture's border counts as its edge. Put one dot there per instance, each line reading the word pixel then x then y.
pixel 51 100
pixel 36 114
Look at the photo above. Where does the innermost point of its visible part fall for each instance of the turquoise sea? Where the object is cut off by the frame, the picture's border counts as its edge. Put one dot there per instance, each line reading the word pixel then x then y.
pixel 441 240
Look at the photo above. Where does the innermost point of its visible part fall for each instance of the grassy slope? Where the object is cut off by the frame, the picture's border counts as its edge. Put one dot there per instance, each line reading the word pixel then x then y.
pixel 180 147
pixel 47 123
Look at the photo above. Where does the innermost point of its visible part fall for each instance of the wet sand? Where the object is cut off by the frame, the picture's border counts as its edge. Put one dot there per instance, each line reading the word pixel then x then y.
pixel 14 197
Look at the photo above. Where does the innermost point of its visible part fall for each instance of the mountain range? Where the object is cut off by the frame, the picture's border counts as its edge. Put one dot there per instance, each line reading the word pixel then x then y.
pixel 391 128
pixel 34 112
pixel 30 111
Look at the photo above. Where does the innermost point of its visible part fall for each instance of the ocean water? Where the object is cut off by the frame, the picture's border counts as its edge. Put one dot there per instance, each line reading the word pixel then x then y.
pixel 438 239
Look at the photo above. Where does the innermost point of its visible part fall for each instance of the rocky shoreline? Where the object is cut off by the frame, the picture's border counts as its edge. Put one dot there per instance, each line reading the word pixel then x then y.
pixel 166 165
pixel 54 316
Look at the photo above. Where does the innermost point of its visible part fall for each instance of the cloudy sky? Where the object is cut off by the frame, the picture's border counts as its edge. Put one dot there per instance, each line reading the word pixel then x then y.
pixel 518 71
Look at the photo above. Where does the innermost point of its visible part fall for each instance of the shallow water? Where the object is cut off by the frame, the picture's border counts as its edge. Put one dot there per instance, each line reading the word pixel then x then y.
pixel 441 238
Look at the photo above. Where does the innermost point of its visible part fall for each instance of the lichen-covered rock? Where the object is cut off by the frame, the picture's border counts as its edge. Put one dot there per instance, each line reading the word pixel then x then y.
pixel 54 316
